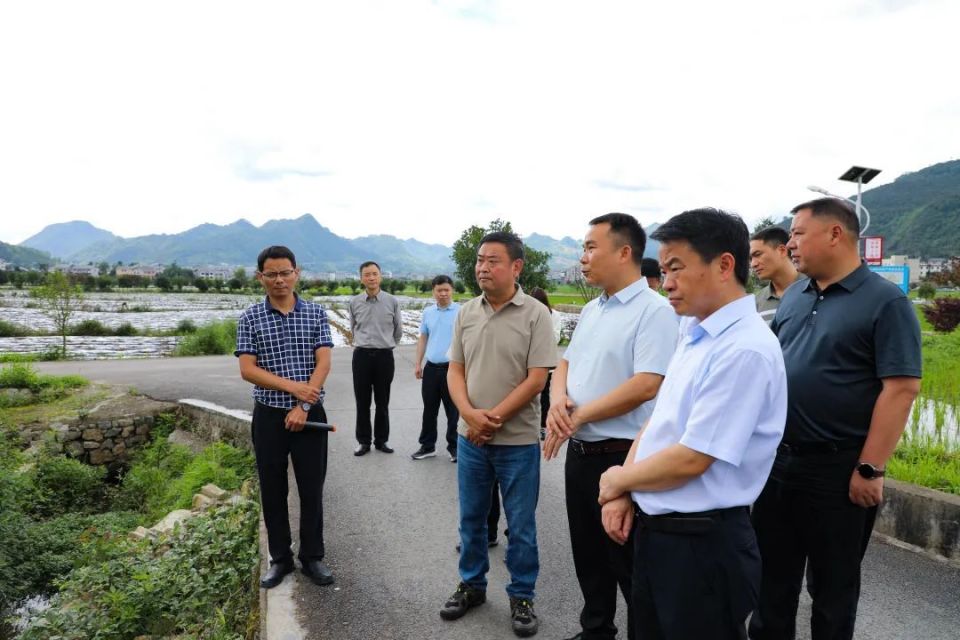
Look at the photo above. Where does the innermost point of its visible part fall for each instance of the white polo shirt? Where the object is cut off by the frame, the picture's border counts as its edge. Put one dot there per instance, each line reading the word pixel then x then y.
pixel 633 331
pixel 725 395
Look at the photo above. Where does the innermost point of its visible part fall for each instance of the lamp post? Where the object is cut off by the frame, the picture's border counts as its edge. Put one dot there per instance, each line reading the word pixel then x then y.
pixel 860 175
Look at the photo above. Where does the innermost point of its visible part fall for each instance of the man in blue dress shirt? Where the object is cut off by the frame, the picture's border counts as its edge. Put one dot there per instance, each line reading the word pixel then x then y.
pixel 707 449
pixel 436 331
pixel 283 345
pixel 603 392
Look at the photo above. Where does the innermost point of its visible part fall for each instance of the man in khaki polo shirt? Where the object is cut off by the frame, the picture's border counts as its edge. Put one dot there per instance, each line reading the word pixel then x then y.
pixel 503 344
pixel 771 261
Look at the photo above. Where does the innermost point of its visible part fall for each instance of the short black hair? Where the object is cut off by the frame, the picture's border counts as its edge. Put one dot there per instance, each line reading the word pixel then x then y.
pixel 441 279
pixel 710 233
pixel 370 263
pixel 628 230
pixel 511 241
pixel 773 236
pixel 650 268
pixel 840 210
pixel 275 252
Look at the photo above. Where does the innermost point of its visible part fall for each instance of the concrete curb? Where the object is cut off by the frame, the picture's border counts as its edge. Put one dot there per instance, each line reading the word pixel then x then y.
pixel 921 518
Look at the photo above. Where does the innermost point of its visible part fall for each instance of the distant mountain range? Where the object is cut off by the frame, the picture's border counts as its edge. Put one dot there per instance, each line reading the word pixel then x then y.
pixel 917 213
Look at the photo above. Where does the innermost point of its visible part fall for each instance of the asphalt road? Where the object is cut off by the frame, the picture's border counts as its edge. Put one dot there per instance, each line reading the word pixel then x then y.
pixel 391 524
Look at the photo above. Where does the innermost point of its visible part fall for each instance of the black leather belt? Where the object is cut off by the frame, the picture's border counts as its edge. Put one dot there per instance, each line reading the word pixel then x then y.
pixel 696 523
pixel 812 448
pixel 438 365
pixel 610 445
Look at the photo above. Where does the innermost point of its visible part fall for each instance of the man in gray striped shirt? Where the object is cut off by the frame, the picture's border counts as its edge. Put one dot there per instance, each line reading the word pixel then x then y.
pixel 771 261
pixel 377 327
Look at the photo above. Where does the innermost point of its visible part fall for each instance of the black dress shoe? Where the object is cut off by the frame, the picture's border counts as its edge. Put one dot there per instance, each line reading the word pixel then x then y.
pixel 361 450
pixel 384 448
pixel 275 574
pixel 317 572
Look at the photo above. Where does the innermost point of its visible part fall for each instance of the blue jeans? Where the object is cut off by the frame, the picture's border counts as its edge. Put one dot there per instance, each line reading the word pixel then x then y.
pixel 517 468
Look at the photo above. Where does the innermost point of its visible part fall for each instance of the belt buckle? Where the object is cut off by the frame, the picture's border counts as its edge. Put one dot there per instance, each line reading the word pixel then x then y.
pixel 578 446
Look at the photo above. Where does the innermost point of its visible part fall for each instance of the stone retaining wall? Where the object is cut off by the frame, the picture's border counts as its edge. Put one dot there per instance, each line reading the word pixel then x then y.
pixel 106 435
pixel 922 518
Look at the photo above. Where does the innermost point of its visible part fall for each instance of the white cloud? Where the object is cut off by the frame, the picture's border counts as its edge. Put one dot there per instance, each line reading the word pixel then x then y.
pixel 420 118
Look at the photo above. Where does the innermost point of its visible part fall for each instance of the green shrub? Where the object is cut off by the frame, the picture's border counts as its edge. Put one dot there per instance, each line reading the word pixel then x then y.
pixel 35 554
pixel 218 338
pixel 201 587
pixel 146 486
pixel 926 291
pixel 19 375
pixel 90 328
pixel 63 485
pixel 125 329
pixel 12 330
pixel 186 326
pixel 220 464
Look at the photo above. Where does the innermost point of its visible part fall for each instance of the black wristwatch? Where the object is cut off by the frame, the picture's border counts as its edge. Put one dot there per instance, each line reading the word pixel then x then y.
pixel 868 471
pixel 306 406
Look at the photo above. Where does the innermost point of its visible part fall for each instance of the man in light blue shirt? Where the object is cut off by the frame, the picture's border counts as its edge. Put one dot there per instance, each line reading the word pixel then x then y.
pixel 603 392
pixel 708 447
pixel 436 331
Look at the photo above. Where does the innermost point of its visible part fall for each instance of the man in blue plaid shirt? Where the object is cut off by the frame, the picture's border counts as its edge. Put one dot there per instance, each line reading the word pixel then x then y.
pixel 283 344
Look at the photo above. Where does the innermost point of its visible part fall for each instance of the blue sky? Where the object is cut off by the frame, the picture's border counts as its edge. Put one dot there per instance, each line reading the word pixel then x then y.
pixel 419 118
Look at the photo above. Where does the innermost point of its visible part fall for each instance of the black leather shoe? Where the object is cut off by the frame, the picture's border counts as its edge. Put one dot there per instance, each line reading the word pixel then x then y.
pixel 317 572
pixel 275 574
pixel 384 448
pixel 361 450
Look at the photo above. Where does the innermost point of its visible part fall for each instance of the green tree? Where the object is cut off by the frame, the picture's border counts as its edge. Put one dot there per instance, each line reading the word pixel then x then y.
pixel 763 223
pixel 201 284
pixel 59 300
pixel 464 256
pixel 331 287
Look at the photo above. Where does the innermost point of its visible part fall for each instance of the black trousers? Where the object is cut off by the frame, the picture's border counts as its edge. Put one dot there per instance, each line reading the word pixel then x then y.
pixel 272 444
pixel 689 586
pixel 602 565
pixel 372 376
pixel 804 517
pixel 434 391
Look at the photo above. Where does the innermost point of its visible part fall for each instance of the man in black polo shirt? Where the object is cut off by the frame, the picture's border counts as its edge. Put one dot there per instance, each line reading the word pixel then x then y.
pixel 283 344
pixel 851 346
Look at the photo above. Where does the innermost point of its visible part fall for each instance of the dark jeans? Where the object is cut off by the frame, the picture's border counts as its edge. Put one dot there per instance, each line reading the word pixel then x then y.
pixel 272 444
pixel 434 391
pixel 602 565
pixel 695 585
pixel 372 375
pixel 804 516
pixel 545 404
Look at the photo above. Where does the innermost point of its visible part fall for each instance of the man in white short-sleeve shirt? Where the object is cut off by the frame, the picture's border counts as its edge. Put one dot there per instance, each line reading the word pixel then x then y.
pixel 603 392
pixel 708 447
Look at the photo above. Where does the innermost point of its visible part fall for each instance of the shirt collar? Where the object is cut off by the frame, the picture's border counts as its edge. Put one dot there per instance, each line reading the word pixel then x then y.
pixel 626 294
pixel 850 282
pixel 297 304
pixel 517 298
pixel 723 318
pixel 372 297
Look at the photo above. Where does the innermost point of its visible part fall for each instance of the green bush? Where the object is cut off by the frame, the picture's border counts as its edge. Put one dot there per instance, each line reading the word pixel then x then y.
pixel 220 464
pixel 37 553
pixel 19 375
pixel 146 485
pixel 926 291
pixel 90 328
pixel 218 338
pixel 63 485
pixel 186 326
pixel 125 329
pixel 202 587
pixel 12 330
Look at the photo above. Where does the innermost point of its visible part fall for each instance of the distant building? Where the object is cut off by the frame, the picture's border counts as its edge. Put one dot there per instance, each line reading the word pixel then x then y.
pixel 213 273
pixel 932 265
pixel 913 264
pixel 147 271
pixel 78 269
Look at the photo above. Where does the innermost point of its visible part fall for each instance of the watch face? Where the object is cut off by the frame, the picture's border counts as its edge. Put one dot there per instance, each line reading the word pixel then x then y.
pixel 305 406
pixel 867 470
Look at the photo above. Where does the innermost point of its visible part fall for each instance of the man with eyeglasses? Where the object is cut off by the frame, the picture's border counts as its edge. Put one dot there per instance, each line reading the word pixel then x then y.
pixel 283 345
pixel 377 327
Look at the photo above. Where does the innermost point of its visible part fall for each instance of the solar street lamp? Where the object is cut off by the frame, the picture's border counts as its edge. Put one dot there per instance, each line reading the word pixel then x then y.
pixel 860 175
